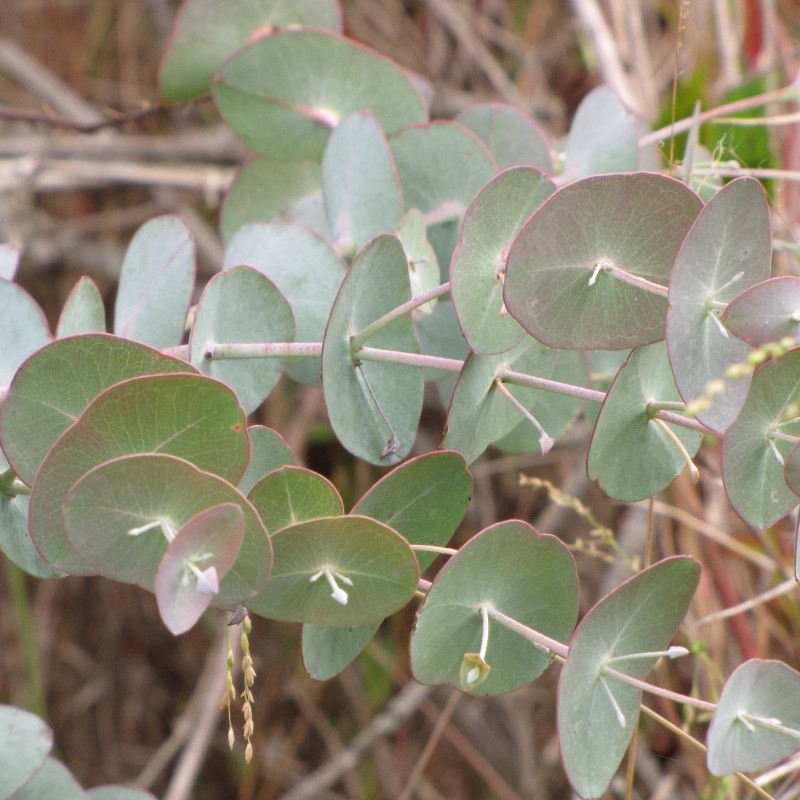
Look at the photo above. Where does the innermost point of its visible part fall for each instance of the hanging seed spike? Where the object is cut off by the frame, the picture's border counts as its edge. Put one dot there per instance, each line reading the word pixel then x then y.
pixel 738 370
pixel 230 692
pixel 249 676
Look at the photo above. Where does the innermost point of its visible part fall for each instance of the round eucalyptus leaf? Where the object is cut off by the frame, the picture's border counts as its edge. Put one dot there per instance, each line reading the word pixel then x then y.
pixel 424 500
pixel 757 722
pixel 359 182
pixel 264 188
pixel 15 539
pixel 512 137
pixel 603 368
pixel 23 329
pixel 327 650
pixel 52 781
pixel 423 266
pixel 156 283
pixel 560 284
pixel 268 451
pixel 511 568
pixel 480 413
pixel 477 270
pixel 440 335
pixel 631 455
pixel 292 494
pixel 184 415
pixel 25 741
pixel 766 312
pixel 727 250
pixel 596 711
pixel 595 149
pixel 241 305
pixel 700 177
pixel 83 312
pixel 442 166
pixel 373 406
pixel 284 93
pixel 339 571
pixel 113 518
pixel 791 471
pixel 38 409
pixel 118 793
pixel 203 550
pixel 305 269
pixel 309 211
pixel 752 460
pixel 206 32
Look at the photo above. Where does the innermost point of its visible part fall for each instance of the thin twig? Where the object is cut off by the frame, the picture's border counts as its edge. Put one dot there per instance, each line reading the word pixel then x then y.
pixel 430 745
pixel 700 746
pixel 193 728
pixel 398 710
pixel 716 535
pixel 48 175
pixel 217 143
pixel 452 18
pixel 19 65
pixel 611 69
pixel 480 763
pixel 54 121
pixel 777 591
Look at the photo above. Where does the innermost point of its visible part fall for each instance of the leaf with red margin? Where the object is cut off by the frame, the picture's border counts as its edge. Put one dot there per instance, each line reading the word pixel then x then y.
pixel 210 541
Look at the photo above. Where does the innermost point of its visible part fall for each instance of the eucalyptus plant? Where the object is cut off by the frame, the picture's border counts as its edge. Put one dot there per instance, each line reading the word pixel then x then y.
pixel 369 250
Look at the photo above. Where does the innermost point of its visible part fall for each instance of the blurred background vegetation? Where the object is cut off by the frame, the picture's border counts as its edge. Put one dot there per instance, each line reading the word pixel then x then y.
pixel 130 703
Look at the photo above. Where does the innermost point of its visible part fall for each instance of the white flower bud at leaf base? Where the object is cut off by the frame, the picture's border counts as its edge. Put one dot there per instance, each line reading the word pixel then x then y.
pixel 338 594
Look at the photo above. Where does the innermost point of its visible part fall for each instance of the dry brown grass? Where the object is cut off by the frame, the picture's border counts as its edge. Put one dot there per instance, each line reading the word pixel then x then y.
pixel 117 684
